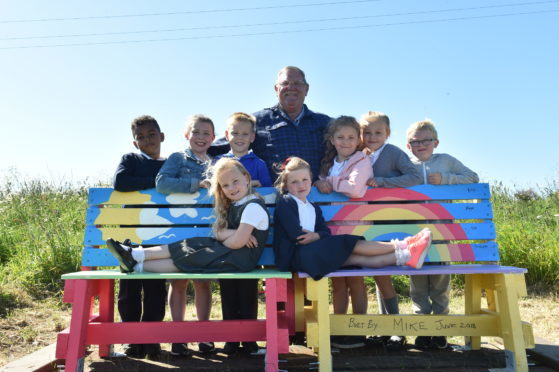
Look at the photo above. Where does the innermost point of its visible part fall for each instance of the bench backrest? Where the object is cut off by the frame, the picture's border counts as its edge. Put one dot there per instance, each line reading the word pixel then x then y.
pixel 459 216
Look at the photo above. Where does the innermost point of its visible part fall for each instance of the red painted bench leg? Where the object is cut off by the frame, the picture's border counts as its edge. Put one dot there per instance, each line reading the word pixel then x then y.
pixel 78 325
pixel 272 334
pixel 106 309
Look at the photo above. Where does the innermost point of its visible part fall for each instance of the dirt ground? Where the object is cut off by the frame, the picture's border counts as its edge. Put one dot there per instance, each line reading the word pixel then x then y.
pixel 369 358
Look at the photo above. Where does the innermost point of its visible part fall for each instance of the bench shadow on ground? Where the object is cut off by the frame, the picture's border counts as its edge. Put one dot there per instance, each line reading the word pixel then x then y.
pixel 370 358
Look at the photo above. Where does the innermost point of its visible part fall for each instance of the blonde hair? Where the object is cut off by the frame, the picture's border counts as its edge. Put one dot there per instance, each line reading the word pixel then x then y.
pixel 242 117
pixel 425 124
pixel 372 117
pixel 222 202
pixel 290 165
pixel 192 120
pixel 330 152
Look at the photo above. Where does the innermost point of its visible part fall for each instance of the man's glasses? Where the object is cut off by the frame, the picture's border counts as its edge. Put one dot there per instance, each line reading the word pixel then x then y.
pixel 295 83
pixel 424 142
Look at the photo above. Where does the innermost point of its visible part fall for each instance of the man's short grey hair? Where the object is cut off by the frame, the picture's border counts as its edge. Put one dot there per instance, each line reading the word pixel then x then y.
pixel 292 68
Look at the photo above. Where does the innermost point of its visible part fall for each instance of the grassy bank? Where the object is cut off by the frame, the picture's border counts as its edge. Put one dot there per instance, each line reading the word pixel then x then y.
pixel 41 233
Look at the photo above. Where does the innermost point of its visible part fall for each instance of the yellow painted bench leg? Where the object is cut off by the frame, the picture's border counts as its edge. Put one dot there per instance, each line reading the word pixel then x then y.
pixel 317 292
pixel 299 299
pixel 472 298
pixel 509 315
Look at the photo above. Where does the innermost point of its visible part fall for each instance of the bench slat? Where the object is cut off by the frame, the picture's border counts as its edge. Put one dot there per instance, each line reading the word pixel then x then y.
pixel 165 235
pixel 428 270
pixel 420 192
pixel 407 212
pixel 115 274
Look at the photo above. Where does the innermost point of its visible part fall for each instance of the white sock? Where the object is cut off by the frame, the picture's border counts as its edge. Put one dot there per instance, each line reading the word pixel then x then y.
pixel 401 252
pixel 138 254
pixel 139 267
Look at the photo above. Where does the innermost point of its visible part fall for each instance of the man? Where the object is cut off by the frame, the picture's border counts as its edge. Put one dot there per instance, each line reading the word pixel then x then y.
pixel 288 128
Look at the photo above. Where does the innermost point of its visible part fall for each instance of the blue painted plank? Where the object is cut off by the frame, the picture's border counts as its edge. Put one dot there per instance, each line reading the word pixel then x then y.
pixel 149 216
pixel 95 257
pixel 420 192
pixel 143 235
pixel 366 212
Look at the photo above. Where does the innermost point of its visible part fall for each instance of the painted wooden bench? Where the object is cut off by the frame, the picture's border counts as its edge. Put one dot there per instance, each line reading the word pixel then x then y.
pixel 150 218
pixel 460 217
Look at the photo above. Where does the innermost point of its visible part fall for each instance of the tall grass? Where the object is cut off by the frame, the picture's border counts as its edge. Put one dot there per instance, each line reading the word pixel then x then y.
pixel 41 233
pixel 527 223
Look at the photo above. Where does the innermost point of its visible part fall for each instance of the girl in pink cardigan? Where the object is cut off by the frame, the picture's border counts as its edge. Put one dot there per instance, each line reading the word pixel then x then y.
pixel 346 168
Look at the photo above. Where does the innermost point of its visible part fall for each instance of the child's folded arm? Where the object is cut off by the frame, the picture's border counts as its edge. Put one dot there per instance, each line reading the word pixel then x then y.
pixel 287 216
pixel 240 237
pixel 355 185
pixel 410 175
pixel 168 181
pixel 459 173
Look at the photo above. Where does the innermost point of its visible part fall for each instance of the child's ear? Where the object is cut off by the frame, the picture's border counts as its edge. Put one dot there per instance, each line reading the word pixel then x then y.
pixel 162 136
pixel 252 137
pixel 187 135
pixel 436 143
pixel 135 144
pixel 409 146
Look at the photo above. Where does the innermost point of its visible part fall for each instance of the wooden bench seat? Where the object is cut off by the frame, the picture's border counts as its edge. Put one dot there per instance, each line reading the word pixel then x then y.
pixel 460 217
pixel 150 218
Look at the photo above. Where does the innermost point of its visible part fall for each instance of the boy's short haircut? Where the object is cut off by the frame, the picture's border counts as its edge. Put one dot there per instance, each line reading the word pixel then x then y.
pixel 195 119
pixel 373 116
pixel 242 117
pixel 144 120
pixel 426 124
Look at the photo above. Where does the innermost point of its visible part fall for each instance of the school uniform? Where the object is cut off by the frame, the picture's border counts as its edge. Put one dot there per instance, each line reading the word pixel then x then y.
pixel 316 259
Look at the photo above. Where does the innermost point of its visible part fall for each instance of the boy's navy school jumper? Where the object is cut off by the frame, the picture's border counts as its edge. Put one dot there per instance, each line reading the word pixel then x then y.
pixel 318 258
pixel 137 172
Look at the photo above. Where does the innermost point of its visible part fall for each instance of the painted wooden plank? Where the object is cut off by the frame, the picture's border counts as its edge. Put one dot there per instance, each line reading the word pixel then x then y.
pixel 108 196
pixel 420 192
pixel 407 212
pixel 116 274
pixel 94 257
pixel 461 231
pixel 149 216
pixel 143 235
pixel 427 270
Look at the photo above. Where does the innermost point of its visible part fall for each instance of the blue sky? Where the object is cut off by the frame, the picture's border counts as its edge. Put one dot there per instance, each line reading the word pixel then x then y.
pixel 487 77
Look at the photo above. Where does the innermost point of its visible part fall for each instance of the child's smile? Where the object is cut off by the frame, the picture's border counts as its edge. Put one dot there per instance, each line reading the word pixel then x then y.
pixel 234 184
pixel 375 135
pixel 299 183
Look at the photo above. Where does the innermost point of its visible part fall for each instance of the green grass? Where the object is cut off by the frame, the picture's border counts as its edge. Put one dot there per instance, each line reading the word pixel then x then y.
pixel 42 223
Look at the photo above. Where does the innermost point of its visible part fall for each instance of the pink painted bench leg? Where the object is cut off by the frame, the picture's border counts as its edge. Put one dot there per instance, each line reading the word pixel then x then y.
pixel 81 306
pixel 106 309
pixel 272 338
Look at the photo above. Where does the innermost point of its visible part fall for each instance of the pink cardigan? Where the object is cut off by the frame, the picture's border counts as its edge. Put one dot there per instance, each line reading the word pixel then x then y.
pixel 352 180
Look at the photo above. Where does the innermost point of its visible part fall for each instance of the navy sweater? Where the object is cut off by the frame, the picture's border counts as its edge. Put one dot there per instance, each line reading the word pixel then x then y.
pixel 136 172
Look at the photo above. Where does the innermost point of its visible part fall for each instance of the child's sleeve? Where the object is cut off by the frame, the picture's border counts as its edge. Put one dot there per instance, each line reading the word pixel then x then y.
pixel 458 173
pixel 410 175
pixel 168 179
pixel 287 215
pixel 355 185
pixel 125 178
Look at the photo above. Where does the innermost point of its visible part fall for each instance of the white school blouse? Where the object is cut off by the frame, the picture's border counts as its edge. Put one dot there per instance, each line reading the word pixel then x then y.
pixel 307 214
pixel 253 214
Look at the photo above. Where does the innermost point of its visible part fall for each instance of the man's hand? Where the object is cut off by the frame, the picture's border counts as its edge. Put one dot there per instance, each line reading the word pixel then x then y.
pixel 205 184
pixel 308 237
pixel 323 186
pixel 434 178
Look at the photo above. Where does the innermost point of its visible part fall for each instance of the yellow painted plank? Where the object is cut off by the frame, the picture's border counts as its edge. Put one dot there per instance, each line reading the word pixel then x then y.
pixel 414 325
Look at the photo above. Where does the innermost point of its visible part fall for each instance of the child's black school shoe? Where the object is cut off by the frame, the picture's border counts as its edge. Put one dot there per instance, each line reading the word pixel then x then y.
pixel 123 255
pixel 231 348
pixel 206 347
pixel 180 349
pixel 395 343
pixel 152 351
pixel 134 351
pixel 423 342
pixel 439 342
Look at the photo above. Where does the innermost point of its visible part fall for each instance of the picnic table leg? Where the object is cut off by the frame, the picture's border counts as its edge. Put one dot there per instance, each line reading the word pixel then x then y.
pixel 317 292
pixel 272 334
pixel 81 308
pixel 472 297
pixel 511 327
pixel 106 309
